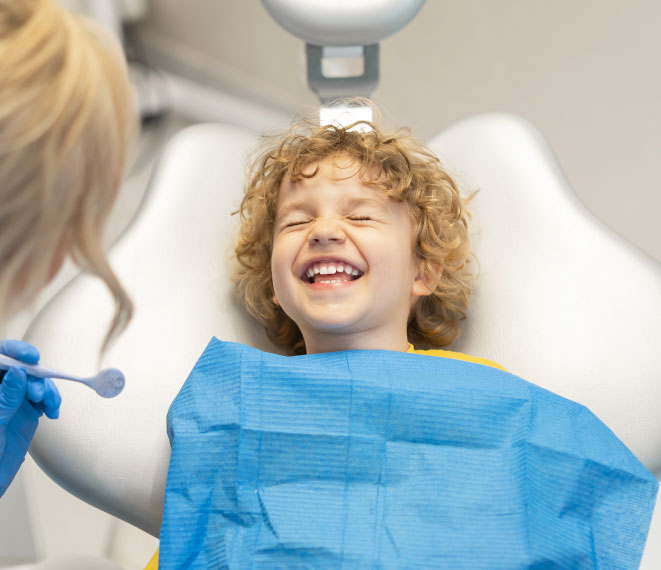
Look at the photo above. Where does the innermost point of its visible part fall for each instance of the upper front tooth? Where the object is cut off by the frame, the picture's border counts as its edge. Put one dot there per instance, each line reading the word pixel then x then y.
pixel 331 268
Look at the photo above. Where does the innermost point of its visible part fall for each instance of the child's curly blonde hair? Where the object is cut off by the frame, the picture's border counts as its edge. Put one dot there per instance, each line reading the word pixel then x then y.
pixel 397 164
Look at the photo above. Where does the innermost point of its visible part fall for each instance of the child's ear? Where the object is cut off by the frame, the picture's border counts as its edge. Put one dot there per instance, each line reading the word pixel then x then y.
pixel 425 280
pixel 275 297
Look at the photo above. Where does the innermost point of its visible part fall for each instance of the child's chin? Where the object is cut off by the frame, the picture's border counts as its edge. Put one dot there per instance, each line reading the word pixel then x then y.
pixel 333 323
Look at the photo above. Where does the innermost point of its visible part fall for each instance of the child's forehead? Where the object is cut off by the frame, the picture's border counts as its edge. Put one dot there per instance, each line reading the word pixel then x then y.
pixel 340 169
pixel 344 181
pixel 345 193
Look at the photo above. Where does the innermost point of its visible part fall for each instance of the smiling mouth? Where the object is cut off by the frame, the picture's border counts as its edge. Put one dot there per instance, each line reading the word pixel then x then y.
pixel 329 272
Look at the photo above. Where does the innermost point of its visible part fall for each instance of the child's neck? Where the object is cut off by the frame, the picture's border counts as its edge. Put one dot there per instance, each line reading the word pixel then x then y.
pixel 329 342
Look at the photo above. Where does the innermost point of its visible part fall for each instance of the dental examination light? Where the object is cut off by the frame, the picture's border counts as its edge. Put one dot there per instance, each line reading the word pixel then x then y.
pixel 342 46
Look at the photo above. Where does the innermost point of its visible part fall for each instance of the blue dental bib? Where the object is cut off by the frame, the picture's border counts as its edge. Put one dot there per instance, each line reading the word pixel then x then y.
pixel 378 459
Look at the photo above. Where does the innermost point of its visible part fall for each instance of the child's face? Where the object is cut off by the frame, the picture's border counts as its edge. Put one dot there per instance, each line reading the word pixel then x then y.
pixel 342 261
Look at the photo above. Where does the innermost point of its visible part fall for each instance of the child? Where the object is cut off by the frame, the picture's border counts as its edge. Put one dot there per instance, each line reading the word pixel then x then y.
pixel 353 249
pixel 354 240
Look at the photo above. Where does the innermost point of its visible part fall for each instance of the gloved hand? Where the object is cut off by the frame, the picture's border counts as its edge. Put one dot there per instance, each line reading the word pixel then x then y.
pixel 23 399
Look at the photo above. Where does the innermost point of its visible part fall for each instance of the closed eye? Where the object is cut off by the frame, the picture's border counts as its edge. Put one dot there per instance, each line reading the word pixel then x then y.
pixel 358 218
pixel 296 223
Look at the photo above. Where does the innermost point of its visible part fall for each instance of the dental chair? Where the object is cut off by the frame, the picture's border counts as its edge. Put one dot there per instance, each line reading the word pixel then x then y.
pixel 561 301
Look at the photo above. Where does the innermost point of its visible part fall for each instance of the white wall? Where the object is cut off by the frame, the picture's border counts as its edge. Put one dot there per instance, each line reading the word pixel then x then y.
pixel 586 73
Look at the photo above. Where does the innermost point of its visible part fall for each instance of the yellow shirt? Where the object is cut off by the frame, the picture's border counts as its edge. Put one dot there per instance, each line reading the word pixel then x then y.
pixel 456 356
pixel 153 563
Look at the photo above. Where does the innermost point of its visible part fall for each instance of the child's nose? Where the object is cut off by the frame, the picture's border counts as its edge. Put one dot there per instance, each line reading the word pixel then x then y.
pixel 325 231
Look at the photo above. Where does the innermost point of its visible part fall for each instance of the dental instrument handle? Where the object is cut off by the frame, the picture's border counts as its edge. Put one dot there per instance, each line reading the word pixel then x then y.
pixel 38 370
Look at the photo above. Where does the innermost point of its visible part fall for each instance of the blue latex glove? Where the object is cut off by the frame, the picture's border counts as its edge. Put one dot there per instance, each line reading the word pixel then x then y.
pixel 23 399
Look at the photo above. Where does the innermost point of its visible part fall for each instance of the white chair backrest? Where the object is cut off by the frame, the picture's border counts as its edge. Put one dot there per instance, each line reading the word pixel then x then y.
pixel 561 301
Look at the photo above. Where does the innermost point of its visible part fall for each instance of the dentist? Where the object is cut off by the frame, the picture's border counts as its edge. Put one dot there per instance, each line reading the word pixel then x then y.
pixel 66 120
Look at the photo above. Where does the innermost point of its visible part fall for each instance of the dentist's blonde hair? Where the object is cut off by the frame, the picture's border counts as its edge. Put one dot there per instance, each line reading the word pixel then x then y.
pixel 66 119
pixel 391 161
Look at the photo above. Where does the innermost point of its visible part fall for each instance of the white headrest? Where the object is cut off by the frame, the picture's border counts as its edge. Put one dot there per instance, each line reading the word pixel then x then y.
pixel 561 300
